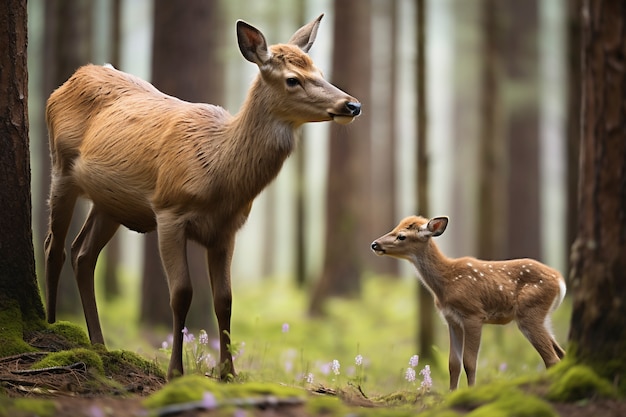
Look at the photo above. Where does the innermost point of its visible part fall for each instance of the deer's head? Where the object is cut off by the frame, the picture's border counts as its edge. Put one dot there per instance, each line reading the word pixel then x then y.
pixel 293 88
pixel 409 238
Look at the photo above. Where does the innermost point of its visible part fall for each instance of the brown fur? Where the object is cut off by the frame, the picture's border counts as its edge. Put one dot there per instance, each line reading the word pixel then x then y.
pixel 148 160
pixel 470 292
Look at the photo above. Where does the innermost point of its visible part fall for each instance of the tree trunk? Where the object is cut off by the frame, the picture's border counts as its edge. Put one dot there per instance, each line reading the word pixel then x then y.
pixel 598 277
pixel 188 64
pixel 18 281
pixel 572 140
pixel 425 304
pixel 112 250
pixel 520 51
pixel 491 211
pixel 382 209
pixel 348 176
pixel 67 46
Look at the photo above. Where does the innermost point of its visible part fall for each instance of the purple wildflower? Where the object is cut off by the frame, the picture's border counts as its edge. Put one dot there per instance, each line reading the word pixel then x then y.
pixel 203 338
pixel 427 383
pixel 414 361
pixel 285 327
pixel 409 375
pixel 95 411
pixel 188 337
pixel 335 366
pixel 208 401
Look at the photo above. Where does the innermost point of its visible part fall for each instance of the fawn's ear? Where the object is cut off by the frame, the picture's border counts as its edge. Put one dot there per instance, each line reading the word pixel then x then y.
pixel 252 43
pixel 305 36
pixel 437 225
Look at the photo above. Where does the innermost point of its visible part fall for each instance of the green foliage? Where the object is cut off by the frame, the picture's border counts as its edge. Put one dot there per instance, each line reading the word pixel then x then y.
pixel 70 357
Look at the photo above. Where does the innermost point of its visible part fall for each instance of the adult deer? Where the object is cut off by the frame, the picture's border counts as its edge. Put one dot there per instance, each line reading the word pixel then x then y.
pixel 148 160
pixel 469 292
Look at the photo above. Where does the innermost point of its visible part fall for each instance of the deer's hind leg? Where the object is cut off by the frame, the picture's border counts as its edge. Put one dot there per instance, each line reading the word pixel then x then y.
pixel 533 326
pixel 96 232
pixel 62 199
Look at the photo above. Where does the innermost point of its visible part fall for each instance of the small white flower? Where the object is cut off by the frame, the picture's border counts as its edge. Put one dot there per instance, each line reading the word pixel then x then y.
pixel 335 366
pixel 358 360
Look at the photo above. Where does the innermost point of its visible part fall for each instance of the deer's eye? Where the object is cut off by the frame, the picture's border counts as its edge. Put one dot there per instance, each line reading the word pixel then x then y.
pixel 292 82
pixel 401 237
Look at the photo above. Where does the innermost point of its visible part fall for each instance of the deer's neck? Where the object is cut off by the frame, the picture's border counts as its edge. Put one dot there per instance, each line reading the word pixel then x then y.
pixel 432 266
pixel 258 141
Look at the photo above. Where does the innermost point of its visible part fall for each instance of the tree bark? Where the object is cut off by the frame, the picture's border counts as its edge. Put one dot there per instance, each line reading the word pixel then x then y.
pixel 18 281
pixel 522 128
pixel 425 303
pixel 572 140
pixel 491 211
pixel 348 179
pixel 67 46
pixel 598 277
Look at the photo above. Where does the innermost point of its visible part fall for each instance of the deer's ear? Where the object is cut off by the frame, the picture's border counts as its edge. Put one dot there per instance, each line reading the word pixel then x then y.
pixel 305 36
pixel 252 43
pixel 437 225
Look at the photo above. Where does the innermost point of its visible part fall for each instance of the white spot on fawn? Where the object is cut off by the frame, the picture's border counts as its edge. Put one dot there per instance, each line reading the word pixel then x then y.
pixel 500 287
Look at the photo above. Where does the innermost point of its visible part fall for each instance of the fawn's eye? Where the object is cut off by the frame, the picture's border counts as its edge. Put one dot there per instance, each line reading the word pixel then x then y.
pixel 401 237
pixel 292 82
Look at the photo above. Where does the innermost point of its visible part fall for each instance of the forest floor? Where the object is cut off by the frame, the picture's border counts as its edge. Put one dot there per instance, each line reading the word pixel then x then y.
pixel 75 392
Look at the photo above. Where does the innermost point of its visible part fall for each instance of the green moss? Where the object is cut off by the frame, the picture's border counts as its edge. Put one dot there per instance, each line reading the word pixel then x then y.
pixel 191 388
pixel 12 334
pixel 499 399
pixel 576 382
pixel 70 332
pixel 325 405
pixel 26 407
pixel 610 370
pixel 69 357
pixel 117 360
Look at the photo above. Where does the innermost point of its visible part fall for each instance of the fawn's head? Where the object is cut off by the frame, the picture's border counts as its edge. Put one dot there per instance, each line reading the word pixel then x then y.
pixel 410 237
pixel 293 88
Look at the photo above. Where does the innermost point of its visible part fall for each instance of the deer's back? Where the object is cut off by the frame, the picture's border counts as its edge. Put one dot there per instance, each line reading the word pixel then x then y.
pixel 119 138
pixel 498 290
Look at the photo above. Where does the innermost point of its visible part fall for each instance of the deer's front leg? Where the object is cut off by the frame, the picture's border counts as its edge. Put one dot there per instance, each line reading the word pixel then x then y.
pixel 219 259
pixel 456 352
pixel 472 333
pixel 173 249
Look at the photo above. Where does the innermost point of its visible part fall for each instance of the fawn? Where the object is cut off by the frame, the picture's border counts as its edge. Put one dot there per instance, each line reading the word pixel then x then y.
pixel 469 292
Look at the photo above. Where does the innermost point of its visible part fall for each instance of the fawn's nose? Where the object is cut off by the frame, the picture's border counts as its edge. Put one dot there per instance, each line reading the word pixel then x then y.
pixel 375 246
pixel 354 108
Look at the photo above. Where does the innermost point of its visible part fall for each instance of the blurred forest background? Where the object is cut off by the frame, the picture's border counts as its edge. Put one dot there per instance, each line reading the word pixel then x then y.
pixel 495 137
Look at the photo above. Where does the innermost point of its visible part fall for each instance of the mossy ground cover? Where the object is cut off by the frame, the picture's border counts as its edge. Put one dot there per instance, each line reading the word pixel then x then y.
pixel 355 361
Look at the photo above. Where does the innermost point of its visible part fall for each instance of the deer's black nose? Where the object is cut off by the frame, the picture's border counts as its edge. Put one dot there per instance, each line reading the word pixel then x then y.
pixel 375 246
pixel 354 108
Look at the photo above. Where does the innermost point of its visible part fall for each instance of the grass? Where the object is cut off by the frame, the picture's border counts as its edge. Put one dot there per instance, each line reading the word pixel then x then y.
pixel 275 341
